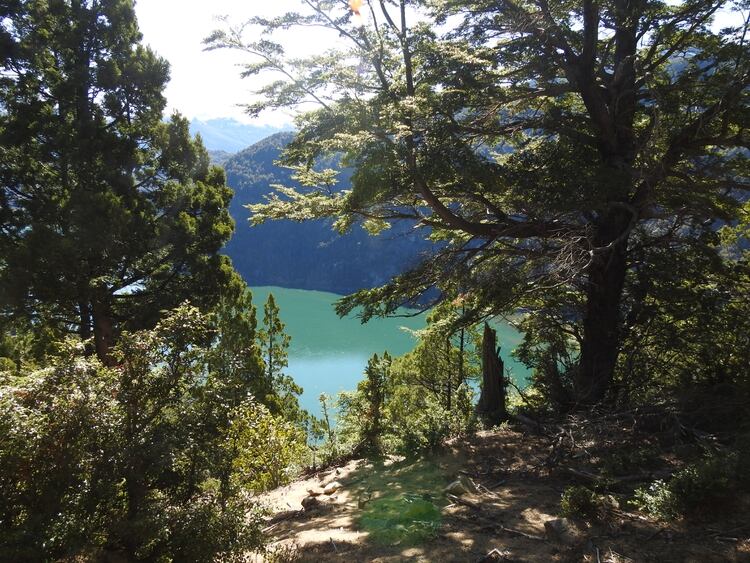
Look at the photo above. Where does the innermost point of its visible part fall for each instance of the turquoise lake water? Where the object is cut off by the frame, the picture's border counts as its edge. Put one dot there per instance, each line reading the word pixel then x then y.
pixel 328 354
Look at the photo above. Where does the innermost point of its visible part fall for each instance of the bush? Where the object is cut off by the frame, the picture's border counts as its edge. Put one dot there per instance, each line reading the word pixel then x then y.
pixel 581 502
pixel 699 489
pixel 129 461
pixel 264 447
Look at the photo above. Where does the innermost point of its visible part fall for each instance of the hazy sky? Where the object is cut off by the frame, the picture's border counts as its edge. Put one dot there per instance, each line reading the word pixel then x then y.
pixel 207 84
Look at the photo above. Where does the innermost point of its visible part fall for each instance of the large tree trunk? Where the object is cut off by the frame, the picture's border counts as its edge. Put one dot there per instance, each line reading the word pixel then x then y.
pixel 602 321
pixel 491 406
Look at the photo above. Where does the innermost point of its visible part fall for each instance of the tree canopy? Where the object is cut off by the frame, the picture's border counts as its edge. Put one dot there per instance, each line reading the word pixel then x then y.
pixel 551 146
pixel 109 215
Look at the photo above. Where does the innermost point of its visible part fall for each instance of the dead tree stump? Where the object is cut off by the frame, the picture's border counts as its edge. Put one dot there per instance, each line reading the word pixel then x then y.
pixel 491 407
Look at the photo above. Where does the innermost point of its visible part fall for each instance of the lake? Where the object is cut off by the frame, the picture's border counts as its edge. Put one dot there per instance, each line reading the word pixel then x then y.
pixel 328 354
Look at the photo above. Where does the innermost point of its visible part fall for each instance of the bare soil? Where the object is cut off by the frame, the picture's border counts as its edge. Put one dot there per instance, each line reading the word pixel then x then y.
pixel 521 477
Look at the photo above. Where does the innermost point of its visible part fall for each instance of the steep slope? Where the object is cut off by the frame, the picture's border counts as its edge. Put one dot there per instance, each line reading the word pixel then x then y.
pixel 307 255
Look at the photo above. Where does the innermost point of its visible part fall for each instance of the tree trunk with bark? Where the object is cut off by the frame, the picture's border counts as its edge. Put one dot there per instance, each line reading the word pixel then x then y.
pixel 491 406
pixel 602 319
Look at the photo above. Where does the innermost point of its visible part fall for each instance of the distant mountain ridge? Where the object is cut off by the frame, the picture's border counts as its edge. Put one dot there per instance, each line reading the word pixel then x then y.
pixel 230 135
pixel 307 255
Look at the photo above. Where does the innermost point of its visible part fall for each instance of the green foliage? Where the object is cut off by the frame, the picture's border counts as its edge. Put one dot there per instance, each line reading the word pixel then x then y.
pixel 323 434
pixel 414 403
pixel 109 214
pixel 700 489
pixel 265 447
pixel 307 254
pixel 136 459
pixel 626 145
pixel 273 344
pixel 580 502
pixel 361 415
pixel 421 424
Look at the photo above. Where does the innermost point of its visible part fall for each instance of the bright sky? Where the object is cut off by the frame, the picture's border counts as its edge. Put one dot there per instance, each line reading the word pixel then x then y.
pixel 207 84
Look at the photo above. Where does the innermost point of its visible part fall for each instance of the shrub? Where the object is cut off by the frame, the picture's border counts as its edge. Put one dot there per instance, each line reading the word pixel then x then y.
pixel 581 502
pixel 128 461
pixel 264 447
pixel 701 488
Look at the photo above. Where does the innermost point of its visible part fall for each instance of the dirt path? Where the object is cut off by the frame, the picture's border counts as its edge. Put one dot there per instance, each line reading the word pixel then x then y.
pixel 503 521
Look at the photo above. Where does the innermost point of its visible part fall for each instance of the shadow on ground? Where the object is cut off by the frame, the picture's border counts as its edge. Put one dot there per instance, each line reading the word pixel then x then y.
pixel 396 511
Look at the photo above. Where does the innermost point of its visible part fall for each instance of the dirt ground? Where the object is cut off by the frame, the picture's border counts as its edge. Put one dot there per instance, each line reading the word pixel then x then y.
pixel 519 490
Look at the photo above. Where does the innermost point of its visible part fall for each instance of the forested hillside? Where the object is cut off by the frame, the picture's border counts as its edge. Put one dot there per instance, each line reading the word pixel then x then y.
pixel 307 255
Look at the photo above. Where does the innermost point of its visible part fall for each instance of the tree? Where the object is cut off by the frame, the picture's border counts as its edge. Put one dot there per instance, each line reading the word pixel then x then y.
pixel 543 142
pixel 445 357
pixel 236 361
pixel 274 343
pixel 109 215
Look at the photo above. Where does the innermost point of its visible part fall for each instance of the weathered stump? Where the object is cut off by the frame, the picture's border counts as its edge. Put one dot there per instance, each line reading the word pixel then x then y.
pixel 491 407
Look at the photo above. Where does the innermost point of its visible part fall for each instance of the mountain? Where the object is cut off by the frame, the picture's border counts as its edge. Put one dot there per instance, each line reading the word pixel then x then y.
pixel 219 157
pixel 308 255
pixel 229 135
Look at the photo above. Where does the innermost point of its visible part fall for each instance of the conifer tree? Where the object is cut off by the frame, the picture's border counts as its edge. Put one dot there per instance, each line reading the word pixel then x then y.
pixel 274 345
pixel 274 342
pixel 108 215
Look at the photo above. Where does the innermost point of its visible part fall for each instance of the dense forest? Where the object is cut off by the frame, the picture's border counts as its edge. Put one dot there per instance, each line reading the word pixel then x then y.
pixel 580 169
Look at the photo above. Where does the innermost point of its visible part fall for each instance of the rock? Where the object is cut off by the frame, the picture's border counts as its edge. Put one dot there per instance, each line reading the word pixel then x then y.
pixel 562 530
pixel 461 486
pixel 310 503
pixel 456 488
pixel 331 488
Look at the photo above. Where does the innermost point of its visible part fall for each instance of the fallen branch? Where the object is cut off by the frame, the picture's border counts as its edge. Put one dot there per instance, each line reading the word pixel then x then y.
pixel 284 516
pixel 636 478
pixel 520 533
pixel 531 424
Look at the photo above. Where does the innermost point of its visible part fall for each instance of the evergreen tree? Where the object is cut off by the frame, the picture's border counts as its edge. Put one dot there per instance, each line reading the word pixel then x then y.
pixel 109 215
pixel 373 388
pixel 236 363
pixel 544 142
pixel 274 343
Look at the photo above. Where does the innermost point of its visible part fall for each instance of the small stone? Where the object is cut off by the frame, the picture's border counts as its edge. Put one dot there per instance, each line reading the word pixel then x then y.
pixel 456 488
pixel 331 488
pixel 562 530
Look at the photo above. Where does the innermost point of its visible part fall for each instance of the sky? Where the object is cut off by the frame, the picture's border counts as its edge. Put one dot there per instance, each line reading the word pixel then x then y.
pixel 207 84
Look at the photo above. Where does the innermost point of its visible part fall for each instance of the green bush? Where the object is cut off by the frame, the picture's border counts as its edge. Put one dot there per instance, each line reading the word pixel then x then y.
pixel 699 489
pixel 129 461
pixel 581 502
pixel 264 447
